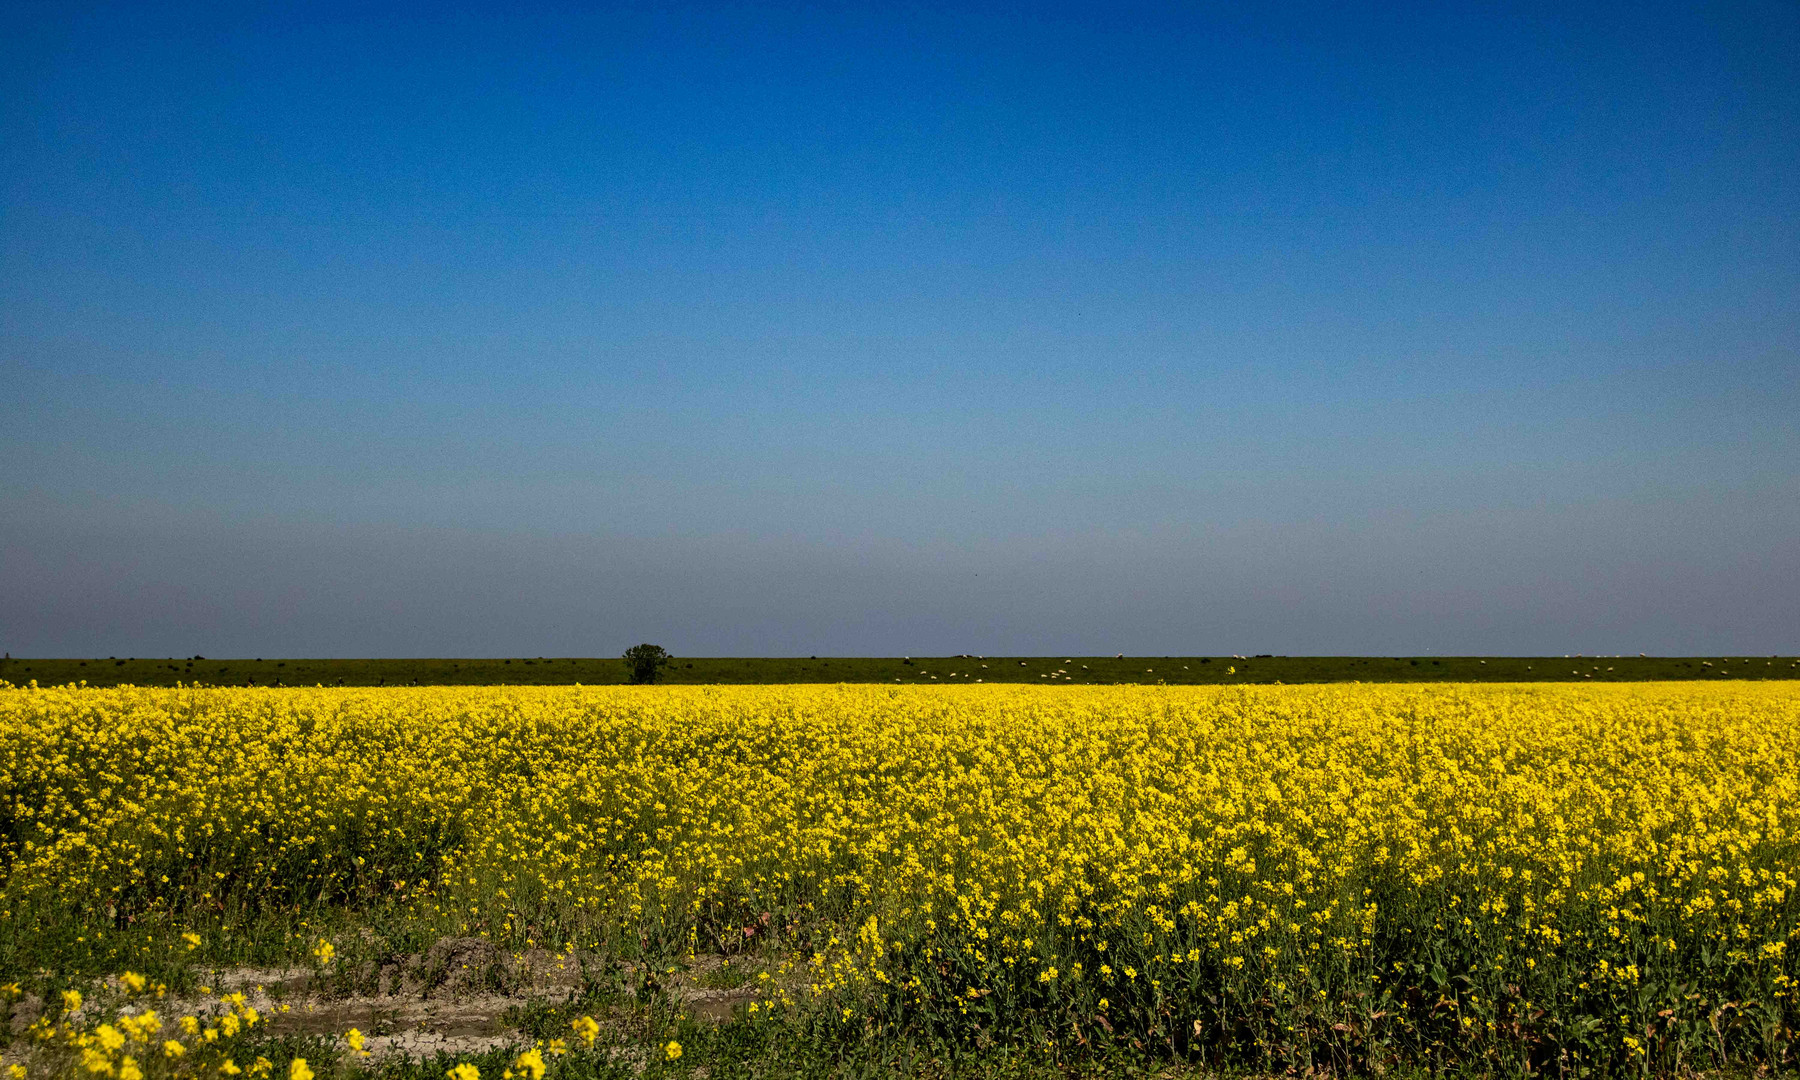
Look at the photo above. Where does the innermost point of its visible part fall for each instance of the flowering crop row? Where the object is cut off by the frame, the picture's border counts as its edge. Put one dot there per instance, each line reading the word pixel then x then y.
pixel 1328 876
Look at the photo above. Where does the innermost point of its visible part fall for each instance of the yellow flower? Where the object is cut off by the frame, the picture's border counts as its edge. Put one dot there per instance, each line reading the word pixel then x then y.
pixel 464 1071
pixel 229 1068
pixel 1248 830
pixel 143 1025
pixel 530 1063
pixel 672 1050
pixel 71 1000
pixel 354 1038
pixel 128 1069
pixel 173 1049
pixel 298 1069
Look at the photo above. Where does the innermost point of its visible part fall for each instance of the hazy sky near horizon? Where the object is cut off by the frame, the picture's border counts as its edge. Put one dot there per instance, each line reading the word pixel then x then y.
pixel 517 329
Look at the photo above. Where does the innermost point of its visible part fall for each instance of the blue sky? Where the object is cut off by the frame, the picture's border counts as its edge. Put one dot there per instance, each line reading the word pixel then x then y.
pixel 755 329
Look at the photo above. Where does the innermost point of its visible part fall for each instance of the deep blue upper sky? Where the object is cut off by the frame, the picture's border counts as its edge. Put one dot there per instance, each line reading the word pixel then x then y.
pixel 515 330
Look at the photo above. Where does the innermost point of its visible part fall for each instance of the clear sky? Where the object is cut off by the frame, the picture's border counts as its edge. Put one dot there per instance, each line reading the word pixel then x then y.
pixel 856 329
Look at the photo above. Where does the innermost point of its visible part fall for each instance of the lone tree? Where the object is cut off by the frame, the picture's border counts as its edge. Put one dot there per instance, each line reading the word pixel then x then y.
pixel 643 661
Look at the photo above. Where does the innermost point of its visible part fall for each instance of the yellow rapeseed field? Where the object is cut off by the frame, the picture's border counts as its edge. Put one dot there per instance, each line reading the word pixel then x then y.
pixel 1287 876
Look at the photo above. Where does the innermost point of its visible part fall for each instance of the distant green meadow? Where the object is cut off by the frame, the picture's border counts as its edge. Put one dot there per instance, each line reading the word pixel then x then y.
pixel 1086 670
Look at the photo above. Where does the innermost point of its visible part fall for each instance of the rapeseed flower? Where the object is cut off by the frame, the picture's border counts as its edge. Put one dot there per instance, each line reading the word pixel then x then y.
pixel 937 851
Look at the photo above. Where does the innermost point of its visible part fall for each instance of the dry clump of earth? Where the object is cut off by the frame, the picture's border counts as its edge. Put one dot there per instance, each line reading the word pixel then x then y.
pixel 460 996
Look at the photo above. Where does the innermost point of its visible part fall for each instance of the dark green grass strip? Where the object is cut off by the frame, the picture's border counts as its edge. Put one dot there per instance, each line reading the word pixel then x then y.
pixel 931 670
